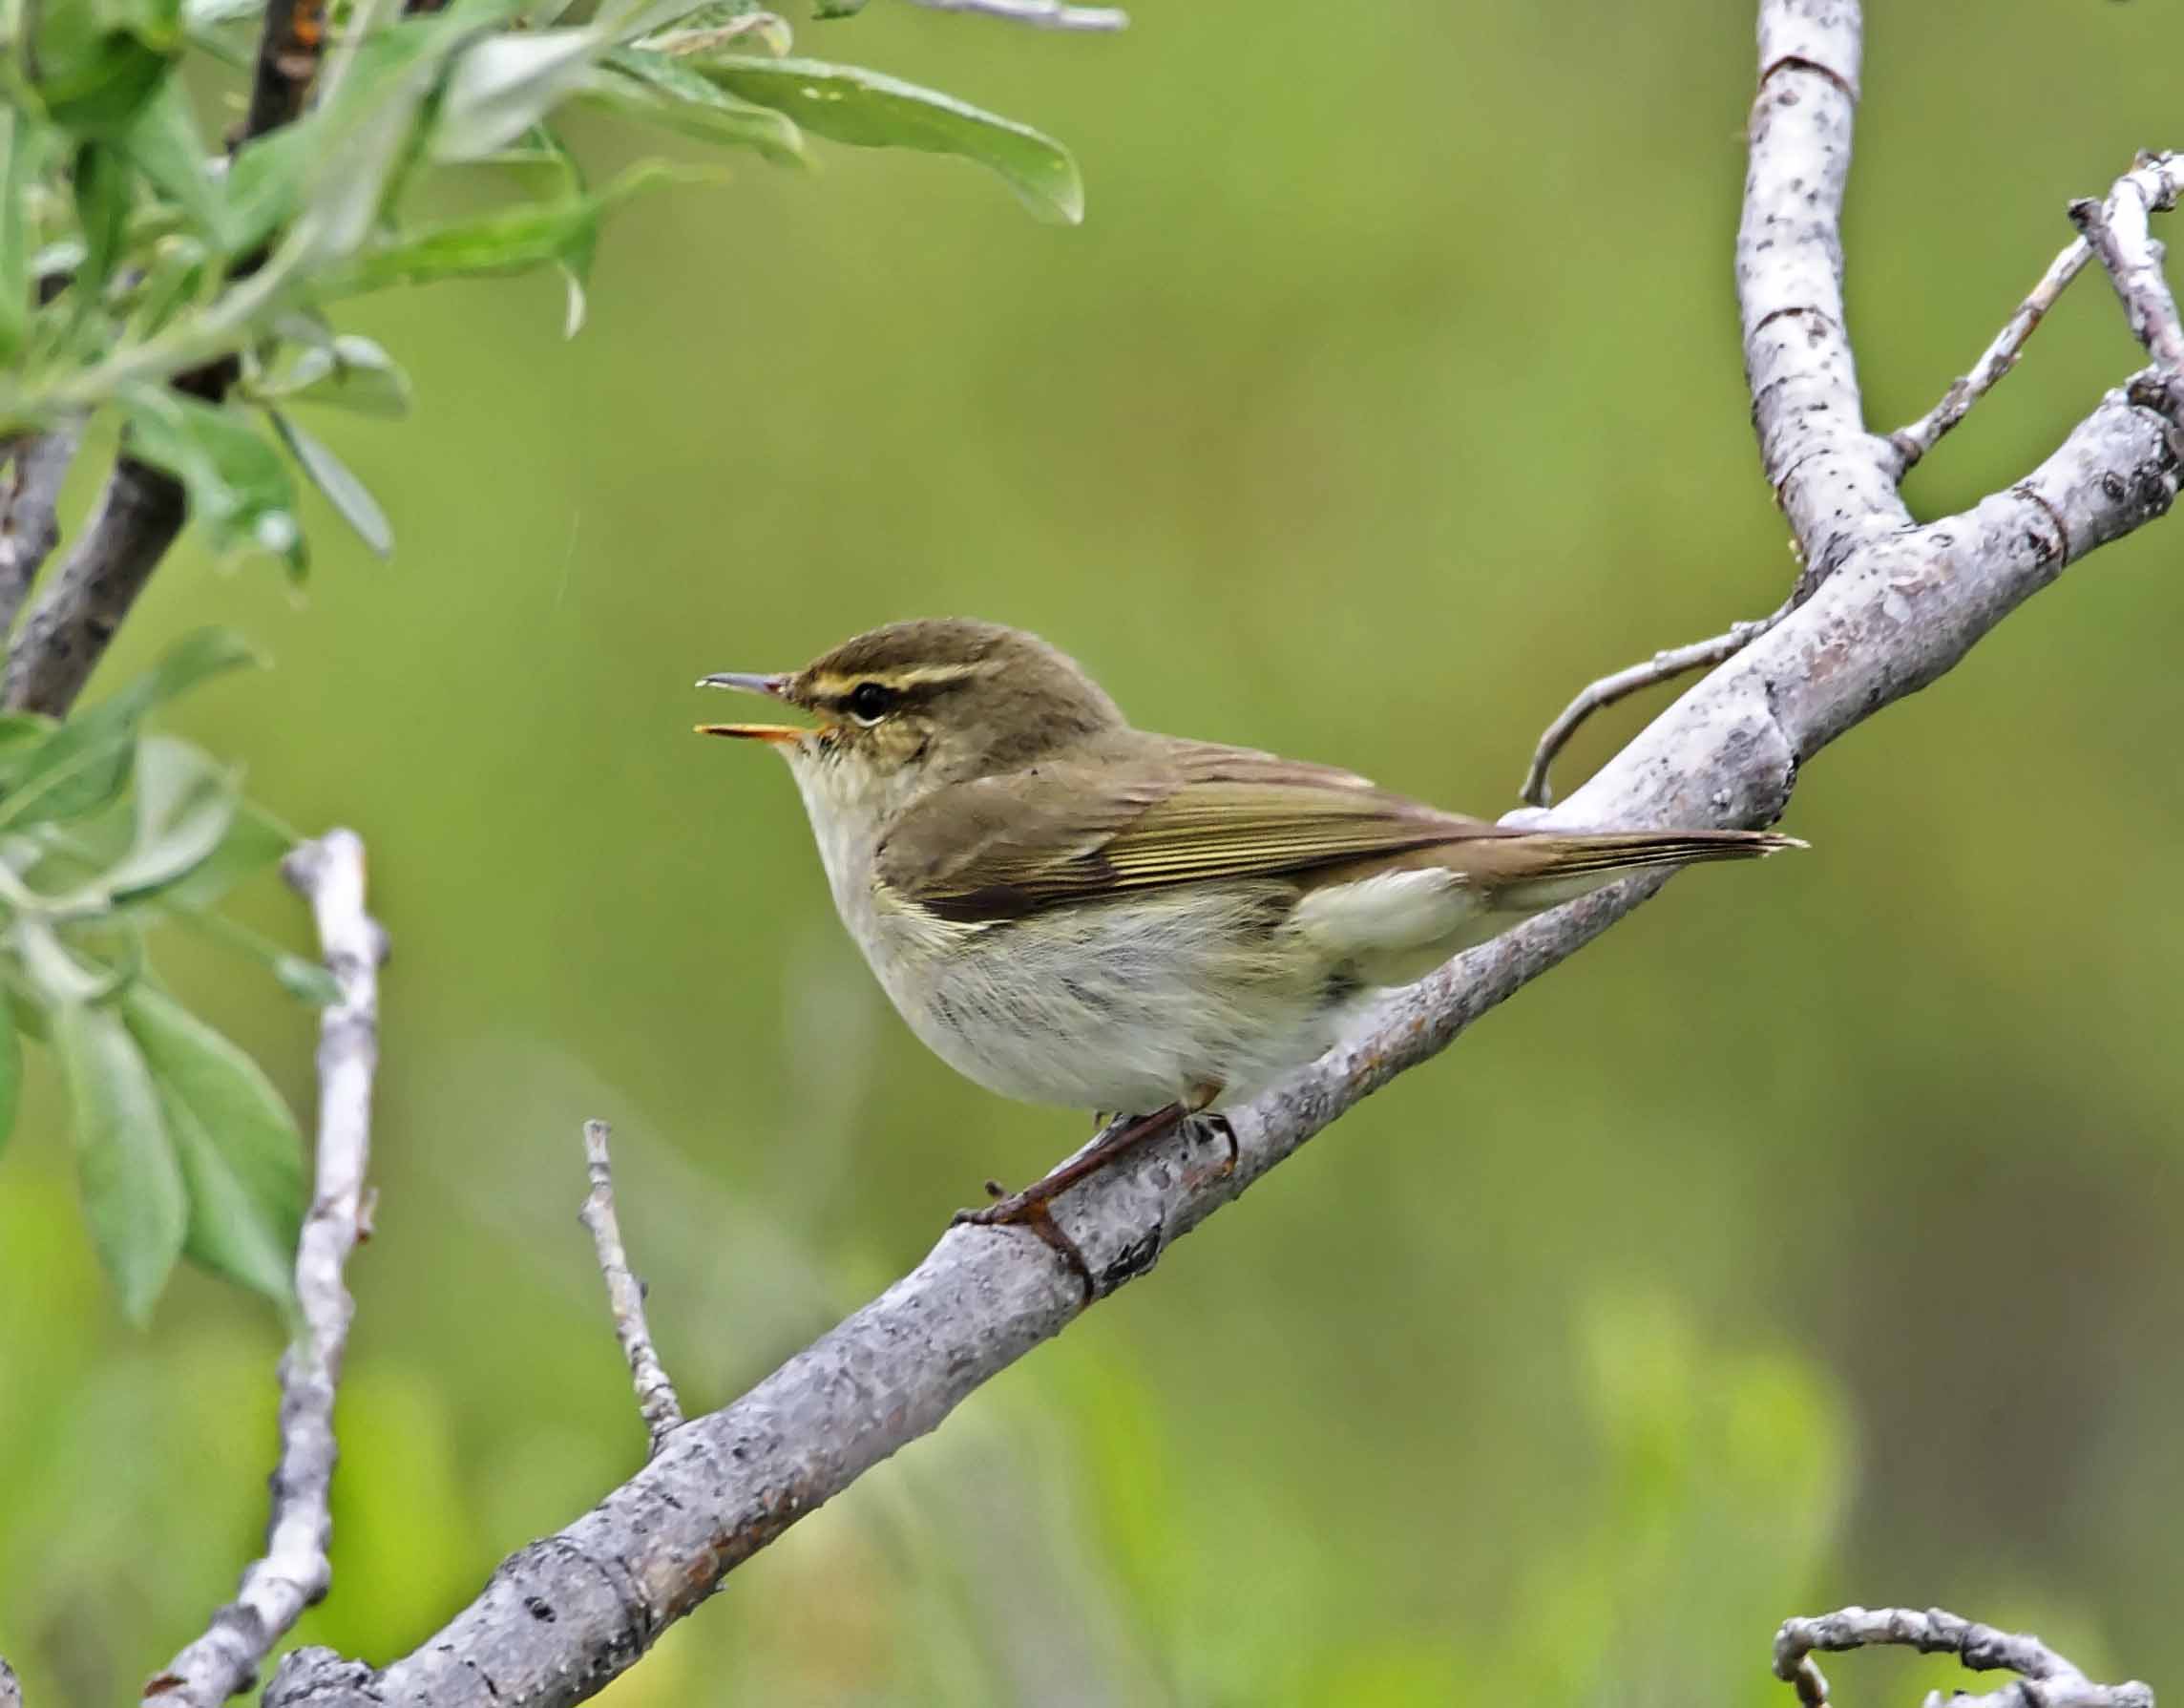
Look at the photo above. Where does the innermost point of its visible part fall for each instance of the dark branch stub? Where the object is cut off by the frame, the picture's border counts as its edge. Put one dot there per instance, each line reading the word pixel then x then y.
pixel 2050 1681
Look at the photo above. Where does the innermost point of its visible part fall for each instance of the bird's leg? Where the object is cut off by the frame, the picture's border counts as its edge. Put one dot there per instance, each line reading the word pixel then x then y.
pixel 1030 1204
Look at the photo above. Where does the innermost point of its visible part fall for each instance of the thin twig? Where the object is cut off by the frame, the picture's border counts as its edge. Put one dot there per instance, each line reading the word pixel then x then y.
pixel 656 1401
pixel 2150 186
pixel 295 1570
pixel 11 1691
pixel 2048 1680
pixel 1661 667
pixel 30 503
pixel 1922 435
pixel 1040 14
pixel 2118 231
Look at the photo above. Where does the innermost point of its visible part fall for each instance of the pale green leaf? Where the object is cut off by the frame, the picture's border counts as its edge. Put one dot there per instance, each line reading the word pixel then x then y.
pixel 868 110
pixel 343 490
pixel 642 83
pixel 22 153
pixel 347 372
pixel 185 807
pixel 237 485
pixel 133 1193
pixel 164 143
pixel 81 765
pixel 241 1156
pixel 10 1066
pixel 509 241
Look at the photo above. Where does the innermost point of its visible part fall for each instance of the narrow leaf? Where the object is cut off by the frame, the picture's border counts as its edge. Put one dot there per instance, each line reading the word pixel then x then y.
pixel 81 765
pixel 237 485
pixel 10 1066
pixel 343 490
pixel 510 240
pixel 505 84
pixel 186 805
pixel 22 153
pixel 241 1156
pixel 133 1193
pixel 255 840
pixel 642 83
pixel 868 110
pixel 347 373
pixel 162 140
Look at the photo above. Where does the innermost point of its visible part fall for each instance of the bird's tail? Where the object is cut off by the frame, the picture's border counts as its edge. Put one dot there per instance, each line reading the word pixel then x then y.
pixel 1545 869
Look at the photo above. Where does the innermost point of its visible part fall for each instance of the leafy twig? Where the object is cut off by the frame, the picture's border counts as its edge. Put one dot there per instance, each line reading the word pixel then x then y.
pixel 295 1570
pixel 2048 1680
pixel 656 1400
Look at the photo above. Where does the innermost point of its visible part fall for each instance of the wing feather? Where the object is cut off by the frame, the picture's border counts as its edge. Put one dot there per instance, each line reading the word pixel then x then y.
pixel 1170 812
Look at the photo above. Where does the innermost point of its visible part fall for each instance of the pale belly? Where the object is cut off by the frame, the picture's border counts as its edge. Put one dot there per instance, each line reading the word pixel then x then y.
pixel 1125 1006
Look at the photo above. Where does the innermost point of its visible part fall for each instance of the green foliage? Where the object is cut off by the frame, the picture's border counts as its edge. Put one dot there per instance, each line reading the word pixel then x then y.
pixel 156 261
pixel 182 1147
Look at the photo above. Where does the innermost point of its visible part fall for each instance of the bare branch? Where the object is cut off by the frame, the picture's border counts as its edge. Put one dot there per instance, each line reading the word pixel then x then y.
pixel 1835 480
pixel 2049 1681
pixel 1597 696
pixel 1041 14
pixel 1922 435
pixel 2118 231
pixel 30 502
pixel 295 1570
pixel 656 1401
pixel 2151 185
pixel 11 1691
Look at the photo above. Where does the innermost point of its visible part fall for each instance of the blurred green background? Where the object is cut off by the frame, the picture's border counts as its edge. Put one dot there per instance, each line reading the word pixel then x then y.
pixel 1810 1239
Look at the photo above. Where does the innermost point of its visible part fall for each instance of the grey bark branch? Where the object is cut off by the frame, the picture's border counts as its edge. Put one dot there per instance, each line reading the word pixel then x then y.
pixel 655 1398
pixel 295 1570
pixel 2046 1679
pixel 1903 603
pixel 2119 233
pixel 1835 480
pixel 11 1692
pixel 30 519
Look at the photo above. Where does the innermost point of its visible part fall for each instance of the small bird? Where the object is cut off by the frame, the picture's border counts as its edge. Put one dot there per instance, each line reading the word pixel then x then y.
pixel 1071 911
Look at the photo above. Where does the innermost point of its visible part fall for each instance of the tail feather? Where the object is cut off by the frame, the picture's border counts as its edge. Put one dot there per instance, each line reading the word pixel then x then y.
pixel 1557 857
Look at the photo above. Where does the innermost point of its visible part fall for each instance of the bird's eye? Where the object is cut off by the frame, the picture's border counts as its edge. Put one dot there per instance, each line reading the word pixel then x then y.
pixel 870 701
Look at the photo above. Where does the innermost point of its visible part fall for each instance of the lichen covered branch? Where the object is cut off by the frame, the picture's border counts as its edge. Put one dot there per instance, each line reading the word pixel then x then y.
pixel 295 1570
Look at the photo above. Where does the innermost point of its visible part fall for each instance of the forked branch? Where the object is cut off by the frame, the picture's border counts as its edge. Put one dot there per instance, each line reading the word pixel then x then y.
pixel 656 1401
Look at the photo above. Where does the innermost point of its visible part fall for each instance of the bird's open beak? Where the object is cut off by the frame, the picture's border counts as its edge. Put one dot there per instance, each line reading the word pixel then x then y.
pixel 774 685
